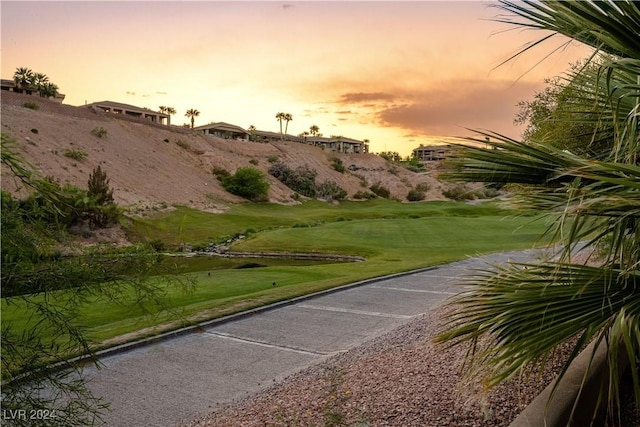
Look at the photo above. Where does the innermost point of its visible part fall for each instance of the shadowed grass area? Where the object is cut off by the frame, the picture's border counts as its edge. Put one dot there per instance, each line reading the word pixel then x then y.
pixel 185 225
pixel 436 234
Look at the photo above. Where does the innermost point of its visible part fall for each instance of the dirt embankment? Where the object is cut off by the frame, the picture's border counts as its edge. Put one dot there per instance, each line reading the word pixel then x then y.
pixel 152 166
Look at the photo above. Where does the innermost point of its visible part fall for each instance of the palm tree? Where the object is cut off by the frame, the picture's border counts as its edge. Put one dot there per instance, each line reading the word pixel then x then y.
pixel 525 311
pixel 314 130
pixel 48 90
pixel 39 80
pixel 23 77
pixel 281 116
pixel 287 117
pixel 252 132
pixel 192 113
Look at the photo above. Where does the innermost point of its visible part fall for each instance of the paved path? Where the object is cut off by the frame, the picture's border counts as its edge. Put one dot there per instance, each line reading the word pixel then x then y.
pixel 188 376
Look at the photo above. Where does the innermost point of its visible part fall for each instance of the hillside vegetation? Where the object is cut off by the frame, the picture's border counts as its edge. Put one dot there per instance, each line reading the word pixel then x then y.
pixel 152 166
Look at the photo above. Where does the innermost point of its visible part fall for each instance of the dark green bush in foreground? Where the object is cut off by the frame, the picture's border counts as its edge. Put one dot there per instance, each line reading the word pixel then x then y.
pixel 247 182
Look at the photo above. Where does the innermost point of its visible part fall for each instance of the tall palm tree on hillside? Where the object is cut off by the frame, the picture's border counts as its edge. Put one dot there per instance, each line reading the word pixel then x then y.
pixel 525 311
pixel 192 113
pixel 280 117
pixel 287 117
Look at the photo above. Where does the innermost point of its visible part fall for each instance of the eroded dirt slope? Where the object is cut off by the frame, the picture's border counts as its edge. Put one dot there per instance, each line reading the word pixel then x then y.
pixel 153 166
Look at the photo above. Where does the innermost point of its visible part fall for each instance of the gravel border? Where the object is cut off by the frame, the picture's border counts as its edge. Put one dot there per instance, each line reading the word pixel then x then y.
pixel 399 379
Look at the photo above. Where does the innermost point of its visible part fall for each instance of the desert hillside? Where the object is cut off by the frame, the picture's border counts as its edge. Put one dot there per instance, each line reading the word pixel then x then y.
pixel 152 166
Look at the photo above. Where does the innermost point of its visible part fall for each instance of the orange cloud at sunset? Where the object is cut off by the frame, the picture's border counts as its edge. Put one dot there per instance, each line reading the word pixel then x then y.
pixel 397 73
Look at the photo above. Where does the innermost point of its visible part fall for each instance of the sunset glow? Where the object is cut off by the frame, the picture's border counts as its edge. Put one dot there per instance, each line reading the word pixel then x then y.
pixel 397 73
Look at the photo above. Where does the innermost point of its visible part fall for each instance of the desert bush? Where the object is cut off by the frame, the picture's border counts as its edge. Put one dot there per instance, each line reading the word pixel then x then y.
pixel 330 190
pixel 157 245
pixel 415 195
pixel 254 162
pixel 180 143
pixel 247 182
pixel 380 190
pixel 272 159
pixel 34 130
pixel 31 105
pixel 364 195
pixel 459 193
pixel 302 179
pixel 337 165
pixel 75 154
pixel 220 173
pixel 423 186
pixel 99 131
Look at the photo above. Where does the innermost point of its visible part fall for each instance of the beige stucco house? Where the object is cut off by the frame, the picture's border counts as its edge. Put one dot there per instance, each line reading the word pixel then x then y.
pixel 131 111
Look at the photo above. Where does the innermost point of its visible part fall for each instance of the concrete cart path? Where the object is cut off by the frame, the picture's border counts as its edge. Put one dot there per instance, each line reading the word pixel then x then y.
pixel 188 376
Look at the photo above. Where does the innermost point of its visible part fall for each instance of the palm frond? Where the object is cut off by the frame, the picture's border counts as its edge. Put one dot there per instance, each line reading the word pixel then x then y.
pixel 526 310
pixel 607 26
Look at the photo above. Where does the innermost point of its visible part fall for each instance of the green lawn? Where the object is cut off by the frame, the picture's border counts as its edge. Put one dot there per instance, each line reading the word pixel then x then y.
pixel 185 225
pixel 393 237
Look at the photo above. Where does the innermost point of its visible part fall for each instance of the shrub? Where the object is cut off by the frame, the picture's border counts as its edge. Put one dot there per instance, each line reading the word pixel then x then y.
pixel 166 140
pixel 247 182
pixel 364 195
pixel 157 245
pixel 31 105
pixel 272 159
pixel 415 195
pixel 337 165
pixel 75 154
pixel 183 144
pixel 99 132
pixel 458 193
pixel 423 186
pixel 254 162
pixel 34 130
pixel 380 190
pixel 330 190
pixel 301 180
pixel 220 173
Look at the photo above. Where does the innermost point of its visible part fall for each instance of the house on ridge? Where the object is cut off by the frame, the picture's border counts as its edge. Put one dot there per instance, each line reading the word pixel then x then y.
pixel 339 144
pixel 266 136
pixel 10 86
pixel 131 111
pixel 431 153
pixel 224 130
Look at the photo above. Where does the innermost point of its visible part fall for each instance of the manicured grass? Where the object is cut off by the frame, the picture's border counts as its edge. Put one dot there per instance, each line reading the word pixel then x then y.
pixel 393 237
pixel 185 225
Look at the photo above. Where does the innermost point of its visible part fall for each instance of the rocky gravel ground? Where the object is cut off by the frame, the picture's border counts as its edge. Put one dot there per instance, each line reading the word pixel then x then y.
pixel 399 379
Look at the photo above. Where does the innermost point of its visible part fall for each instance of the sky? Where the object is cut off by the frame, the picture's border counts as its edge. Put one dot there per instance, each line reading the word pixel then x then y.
pixel 399 74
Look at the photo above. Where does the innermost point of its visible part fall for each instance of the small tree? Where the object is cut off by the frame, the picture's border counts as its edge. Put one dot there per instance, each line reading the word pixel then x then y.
pixel 99 187
pixel 102 210
pixel 380 190
pixel 247 182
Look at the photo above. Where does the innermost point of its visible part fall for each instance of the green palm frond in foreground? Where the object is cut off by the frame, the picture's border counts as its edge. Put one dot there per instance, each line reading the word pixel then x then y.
pixel 521 313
